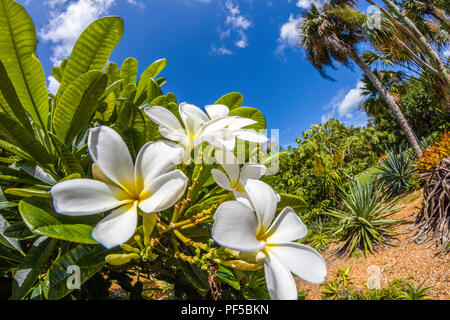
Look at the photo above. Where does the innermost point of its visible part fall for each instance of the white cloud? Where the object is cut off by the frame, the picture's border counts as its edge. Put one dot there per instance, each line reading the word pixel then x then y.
pixel 345 108
pixel 305 4
pixel 236 22
pixel 447 53
pixel 66 24
pixel 351 101
pixel 140 4
pixel 221 51
pixel 289 36
pixel 53 84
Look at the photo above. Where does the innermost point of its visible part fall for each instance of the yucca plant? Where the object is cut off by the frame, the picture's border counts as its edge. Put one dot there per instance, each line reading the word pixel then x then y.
pixel 364 223
pixel 397 171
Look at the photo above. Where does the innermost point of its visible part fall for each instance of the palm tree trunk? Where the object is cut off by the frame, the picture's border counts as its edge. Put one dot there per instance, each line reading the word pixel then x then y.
pixel 409 133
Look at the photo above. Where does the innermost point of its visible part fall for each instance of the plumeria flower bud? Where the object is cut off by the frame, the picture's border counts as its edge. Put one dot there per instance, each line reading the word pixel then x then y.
pixel 253 230
pixel 121 258
pixel 120 187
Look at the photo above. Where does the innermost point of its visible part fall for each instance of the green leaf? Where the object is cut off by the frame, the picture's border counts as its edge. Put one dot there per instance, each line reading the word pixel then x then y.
pixel 9 174
pixel 128 71
pixel 18 53
pixel 71 163
pixel 28 192
pixel 151 72
pixel 227 276
pixel 232 100
pixel 31 267
pixel 297 203
pixel 56 73
pixel 251 113
pixel 10 102
pixel 197 277
pixel 92 49
pixel 77 105
pixel 42 223
pixel 89 258
pixel 5 240
pixel 134 140
pixel 153 90
pixel 112 70
pixel 25 140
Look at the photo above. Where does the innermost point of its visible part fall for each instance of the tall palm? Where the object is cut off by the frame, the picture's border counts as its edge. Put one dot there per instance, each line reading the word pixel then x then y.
pixel 331 34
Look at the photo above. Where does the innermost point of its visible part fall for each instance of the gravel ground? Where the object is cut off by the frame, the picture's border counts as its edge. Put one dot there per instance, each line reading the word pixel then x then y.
pixel 402 260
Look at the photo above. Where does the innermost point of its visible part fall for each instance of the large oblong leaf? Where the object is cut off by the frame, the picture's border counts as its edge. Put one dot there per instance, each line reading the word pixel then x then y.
pixel 251 113
pixel 41 222
pixel 9 101
pixel 24 140
pixel 18 54
pixel 129 69
pixel 151 72
pixel 77 105
pixel 89 258
pixel 92 49
pixel 232 100
pixel 31 267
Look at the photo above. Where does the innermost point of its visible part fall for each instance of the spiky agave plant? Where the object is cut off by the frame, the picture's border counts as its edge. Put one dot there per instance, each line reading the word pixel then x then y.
pixel 397 171
pixel 364 223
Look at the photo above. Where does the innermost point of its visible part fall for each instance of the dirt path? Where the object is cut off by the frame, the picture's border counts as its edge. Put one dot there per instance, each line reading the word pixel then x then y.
pixel 402 261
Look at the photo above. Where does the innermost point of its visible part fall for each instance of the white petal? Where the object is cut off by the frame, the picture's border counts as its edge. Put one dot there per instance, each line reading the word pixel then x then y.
pixel 240 122
pixel 280 283
pixel 111 155
pixel 263 199
pixel 302 260
pixel 216 126
pixel 86 196
pixel 116 228
pixel 217 110
pixel 155 159
pixel 250 135
pixel 172 135
pixel 252 170
pixel 287 227
pixel 221 179
pixel 235 227
pixel 230 164
pixel 164 118
pixel 223 141
pixel 242 197
pixel 191 111
pixel 163 191
pixel 193 118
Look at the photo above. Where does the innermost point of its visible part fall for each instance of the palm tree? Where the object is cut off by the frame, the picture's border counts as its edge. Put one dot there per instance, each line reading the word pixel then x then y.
pixel 331 34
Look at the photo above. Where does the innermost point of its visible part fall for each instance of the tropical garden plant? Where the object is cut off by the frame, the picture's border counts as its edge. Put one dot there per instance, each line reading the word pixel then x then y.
pixel 110 174
pixel 364 221
pixel 397 171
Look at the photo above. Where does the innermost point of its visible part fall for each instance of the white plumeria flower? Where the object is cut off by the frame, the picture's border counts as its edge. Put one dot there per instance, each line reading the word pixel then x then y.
pixel 214 126
pixel 255 232
pixel 235 177
pixel 122 187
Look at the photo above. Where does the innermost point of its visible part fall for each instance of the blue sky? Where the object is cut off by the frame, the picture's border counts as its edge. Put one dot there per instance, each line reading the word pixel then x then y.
pixel 213 47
